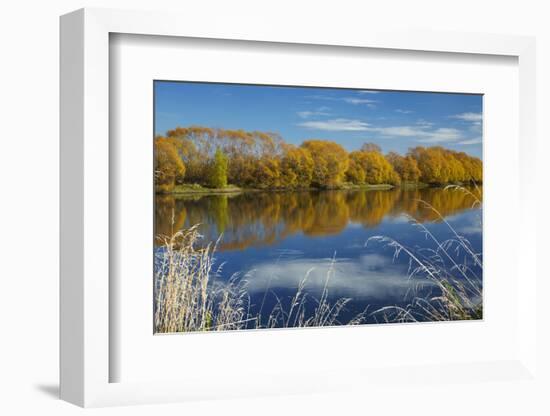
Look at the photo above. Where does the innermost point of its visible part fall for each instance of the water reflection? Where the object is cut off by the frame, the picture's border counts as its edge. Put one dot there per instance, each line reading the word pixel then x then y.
pixel 255 219
pixel 372 276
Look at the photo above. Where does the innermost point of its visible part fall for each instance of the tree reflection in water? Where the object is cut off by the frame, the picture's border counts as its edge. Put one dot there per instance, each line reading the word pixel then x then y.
pixel 252 219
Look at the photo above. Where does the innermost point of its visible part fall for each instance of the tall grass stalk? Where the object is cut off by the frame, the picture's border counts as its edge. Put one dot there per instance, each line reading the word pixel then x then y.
pixel 187 297
pixel 458 290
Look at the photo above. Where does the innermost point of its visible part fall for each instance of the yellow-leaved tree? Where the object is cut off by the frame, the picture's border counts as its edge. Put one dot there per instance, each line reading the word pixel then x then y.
pixel 296 167
pixel 371 167
pixel 330 162
pixel 168 165
pixel 405 166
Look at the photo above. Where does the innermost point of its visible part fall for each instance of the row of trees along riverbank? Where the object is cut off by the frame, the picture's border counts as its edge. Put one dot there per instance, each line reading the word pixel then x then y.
pixel 215 157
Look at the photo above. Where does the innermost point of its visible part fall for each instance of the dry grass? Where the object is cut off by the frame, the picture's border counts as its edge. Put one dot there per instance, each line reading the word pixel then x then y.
pixel 324 313
pixel 458 292
pixel 188 297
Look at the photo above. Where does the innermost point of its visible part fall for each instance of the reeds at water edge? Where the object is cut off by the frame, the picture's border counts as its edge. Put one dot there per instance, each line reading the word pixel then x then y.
pixel 188 297
pixel 459 287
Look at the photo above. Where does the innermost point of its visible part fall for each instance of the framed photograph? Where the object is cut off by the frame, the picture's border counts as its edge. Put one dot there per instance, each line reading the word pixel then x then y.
pixel 259 228
pixel 250 215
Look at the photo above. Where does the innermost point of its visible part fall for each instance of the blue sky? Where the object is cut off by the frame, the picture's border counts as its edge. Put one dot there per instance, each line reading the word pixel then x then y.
pixel 394 120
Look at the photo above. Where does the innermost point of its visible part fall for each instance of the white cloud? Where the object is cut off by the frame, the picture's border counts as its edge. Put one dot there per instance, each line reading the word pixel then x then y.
pixel 441 135
pixel 399 110
pixel 338 124
pixel 401 131
pixel 474 117
pixel 357 101
pixel 367 92
pixel 476 140
pixel 470 224
pixel 320 97
pixel 420 132
pixel 423 123
pixel 371 275
pixel 321 111
pixel 475 120
pixel 476 127
pixel 348 100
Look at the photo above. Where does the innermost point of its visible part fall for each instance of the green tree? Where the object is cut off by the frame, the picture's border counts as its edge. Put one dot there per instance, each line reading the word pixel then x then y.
pixel 217 175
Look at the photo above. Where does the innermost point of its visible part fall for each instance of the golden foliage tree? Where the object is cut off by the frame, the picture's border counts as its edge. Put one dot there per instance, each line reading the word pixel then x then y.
pixel 405 166
pixel 370 167
pixel 168 165
pixel 439 165
pixel 268 173
pixel 263 160
pixel 296 167
pixel 356 171
pixel 330 162
pixel 370 147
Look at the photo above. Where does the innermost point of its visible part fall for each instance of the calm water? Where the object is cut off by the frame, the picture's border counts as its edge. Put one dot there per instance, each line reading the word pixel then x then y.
pixel 276 238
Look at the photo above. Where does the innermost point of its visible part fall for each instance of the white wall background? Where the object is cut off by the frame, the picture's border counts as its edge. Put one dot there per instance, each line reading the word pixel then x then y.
pixel 29 115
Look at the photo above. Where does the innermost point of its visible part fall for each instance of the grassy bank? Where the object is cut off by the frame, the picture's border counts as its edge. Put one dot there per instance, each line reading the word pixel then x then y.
pixel 199 189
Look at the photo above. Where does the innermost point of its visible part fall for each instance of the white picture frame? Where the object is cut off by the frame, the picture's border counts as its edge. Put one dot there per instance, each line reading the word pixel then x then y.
pixel 86 356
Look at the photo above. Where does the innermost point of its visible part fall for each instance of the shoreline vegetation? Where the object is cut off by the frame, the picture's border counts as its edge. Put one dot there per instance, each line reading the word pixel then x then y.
pixel 189 295
pixel 183 189
pixel 198 159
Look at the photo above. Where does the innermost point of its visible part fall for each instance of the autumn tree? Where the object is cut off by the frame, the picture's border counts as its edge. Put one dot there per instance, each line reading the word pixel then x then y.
pixel 356 171
pixel 371 147
pixel 473 167
pixel 209 156
pixel 370 167
pixel 330 162
pixel 168 165
pixel 296 167
pixel 405 166
pixel 409 170
pixel 439 165
pixel 194 145
pixel 430 164
pixel 244 149
pixel 268 173
pixel 217 175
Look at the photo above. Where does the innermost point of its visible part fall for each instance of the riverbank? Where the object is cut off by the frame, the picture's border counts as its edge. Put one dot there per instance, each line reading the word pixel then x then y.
pixel 199 189
pixel 186 189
